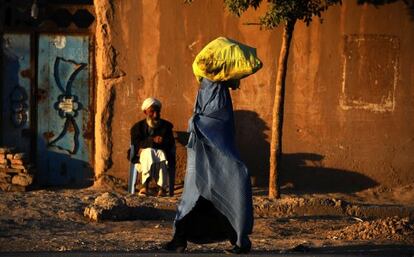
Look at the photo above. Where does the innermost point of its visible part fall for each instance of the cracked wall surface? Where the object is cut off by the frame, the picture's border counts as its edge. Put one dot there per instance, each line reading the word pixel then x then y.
pixel 146 48
pixel 107 74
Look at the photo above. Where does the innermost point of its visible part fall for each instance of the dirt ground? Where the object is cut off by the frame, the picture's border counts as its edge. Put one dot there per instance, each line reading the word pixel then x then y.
pixel 53 220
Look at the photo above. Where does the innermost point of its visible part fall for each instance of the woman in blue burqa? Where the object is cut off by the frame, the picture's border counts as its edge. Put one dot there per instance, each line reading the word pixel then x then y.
pixel 216 204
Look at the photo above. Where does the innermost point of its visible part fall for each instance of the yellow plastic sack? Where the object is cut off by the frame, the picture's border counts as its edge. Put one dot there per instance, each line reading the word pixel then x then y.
pixel 225 59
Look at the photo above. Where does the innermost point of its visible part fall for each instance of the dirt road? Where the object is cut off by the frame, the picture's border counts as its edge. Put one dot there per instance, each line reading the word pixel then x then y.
pixel 52 220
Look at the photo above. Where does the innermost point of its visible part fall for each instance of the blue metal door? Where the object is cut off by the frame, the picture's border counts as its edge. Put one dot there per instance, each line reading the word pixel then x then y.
pixel 63 110
pixel 15 92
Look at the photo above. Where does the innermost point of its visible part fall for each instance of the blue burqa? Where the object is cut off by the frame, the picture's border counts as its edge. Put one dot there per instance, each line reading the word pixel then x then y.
pixel 214 169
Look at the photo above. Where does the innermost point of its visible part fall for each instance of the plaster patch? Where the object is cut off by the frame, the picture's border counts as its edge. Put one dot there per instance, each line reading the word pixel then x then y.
pixel 192 45
pixel 59 42
pixel 370 72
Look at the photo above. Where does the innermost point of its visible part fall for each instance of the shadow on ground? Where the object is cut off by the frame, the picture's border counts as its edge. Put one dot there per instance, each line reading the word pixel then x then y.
pixel 150 213
pixel 382 250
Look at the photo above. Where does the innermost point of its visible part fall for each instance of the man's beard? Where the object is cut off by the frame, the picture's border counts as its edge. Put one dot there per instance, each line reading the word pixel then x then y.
pixel 153 123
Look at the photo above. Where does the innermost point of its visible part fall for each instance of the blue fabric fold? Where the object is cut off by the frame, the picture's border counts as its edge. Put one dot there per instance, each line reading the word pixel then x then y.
pixel 214 168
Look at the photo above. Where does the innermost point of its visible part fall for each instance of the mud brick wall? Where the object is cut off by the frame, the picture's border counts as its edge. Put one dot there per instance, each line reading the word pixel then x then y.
pixel 342 132
pixel 16 173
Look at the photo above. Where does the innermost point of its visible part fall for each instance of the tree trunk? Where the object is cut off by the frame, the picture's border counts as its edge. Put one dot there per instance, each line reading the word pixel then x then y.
pixel 277 114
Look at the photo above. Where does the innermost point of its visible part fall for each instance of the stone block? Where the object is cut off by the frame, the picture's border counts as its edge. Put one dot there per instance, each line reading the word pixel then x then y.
pixel 17 162
pixel 12 171
pixel 20 156
pixel 22 180
pixel 5 178
pixel 5 186
pixel 18 167
pixel 17 188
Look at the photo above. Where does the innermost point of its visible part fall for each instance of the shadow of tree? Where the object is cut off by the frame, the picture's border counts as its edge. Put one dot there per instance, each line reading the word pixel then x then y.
pixel 300 172
pixel 304 173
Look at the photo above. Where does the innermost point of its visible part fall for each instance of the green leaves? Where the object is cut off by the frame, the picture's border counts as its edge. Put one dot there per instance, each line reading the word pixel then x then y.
pixel 289 10
pixel 239 6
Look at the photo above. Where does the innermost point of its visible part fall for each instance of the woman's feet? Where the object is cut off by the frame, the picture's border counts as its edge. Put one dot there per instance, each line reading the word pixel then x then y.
pixel 237 250
pixel 247 245
pixel 175 246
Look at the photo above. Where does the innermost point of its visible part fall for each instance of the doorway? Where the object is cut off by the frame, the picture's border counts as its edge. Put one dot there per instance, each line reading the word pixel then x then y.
pixel 47 91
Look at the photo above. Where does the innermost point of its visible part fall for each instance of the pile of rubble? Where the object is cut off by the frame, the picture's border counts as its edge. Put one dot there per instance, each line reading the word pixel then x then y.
pixel 107 206
pixel 16 173
pixel 391 228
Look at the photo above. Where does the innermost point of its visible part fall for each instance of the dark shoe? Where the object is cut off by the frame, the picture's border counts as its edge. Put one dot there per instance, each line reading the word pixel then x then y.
pixel 174 246
pixel 237 250
pixel 301 248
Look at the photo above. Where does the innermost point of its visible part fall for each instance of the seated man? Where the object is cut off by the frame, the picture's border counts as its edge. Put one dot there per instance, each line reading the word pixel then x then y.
pixel 154 146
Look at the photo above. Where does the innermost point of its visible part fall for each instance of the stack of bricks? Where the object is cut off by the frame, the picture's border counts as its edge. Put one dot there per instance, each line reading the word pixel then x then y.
pixel 16 174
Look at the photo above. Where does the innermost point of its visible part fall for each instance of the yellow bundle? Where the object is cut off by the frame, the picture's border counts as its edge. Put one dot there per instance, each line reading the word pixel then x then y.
pixel 225 59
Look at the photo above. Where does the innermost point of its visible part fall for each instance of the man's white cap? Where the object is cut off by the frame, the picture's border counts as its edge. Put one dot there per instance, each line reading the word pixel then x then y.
pixel 150 101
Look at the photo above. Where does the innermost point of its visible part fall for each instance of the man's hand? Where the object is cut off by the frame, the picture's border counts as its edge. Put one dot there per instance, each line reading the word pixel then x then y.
pixel 157 139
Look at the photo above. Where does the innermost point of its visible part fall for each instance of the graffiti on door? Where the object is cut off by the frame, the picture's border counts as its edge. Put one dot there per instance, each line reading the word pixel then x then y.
pixel 67 105
pixel 63 109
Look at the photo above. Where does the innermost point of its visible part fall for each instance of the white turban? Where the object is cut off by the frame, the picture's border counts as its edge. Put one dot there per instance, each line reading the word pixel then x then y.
pixel 150 101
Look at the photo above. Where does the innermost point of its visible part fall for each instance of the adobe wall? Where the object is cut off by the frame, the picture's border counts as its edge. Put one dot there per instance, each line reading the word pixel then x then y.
pixel 342 125
pixel 350 100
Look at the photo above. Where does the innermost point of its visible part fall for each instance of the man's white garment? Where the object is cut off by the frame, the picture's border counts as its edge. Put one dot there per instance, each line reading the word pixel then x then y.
pixel 154 164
